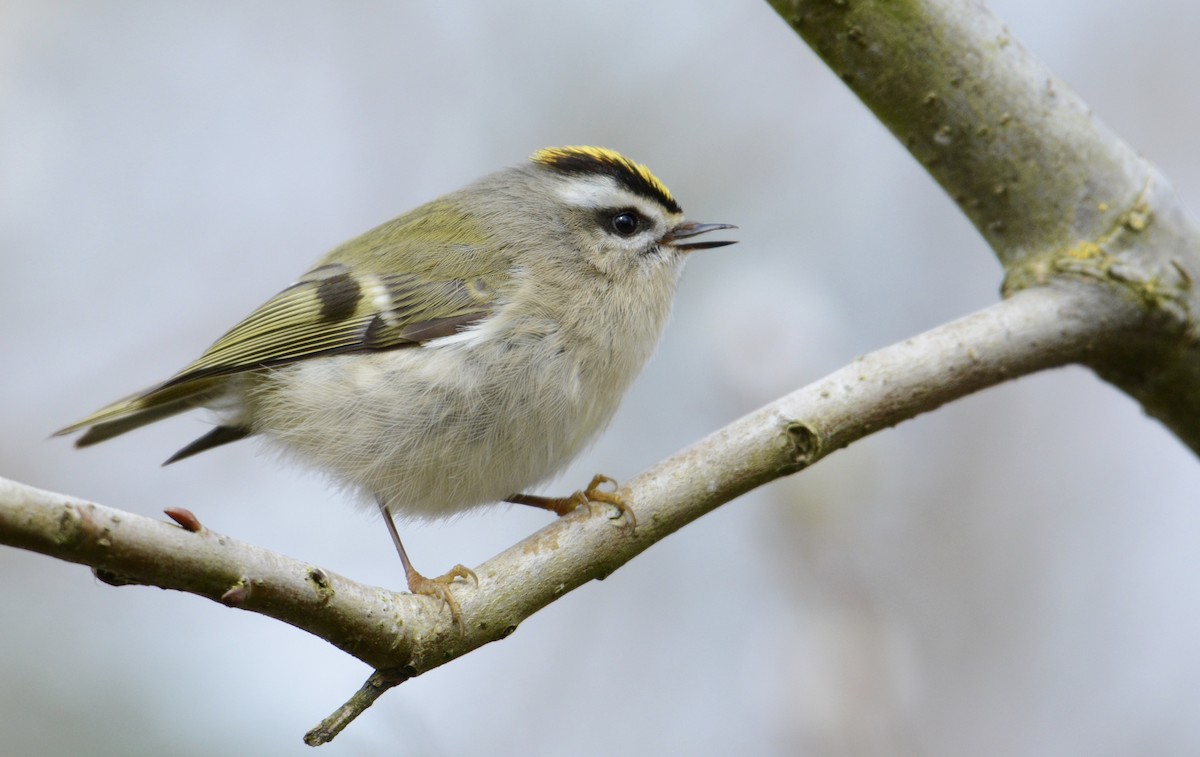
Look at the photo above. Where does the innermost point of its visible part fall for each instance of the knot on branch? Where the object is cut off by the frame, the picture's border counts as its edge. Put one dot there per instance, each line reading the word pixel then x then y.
pixel 805 445
pixel 321 584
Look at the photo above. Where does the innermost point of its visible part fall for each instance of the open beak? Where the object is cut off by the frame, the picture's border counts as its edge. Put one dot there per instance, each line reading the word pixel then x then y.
pixel 689 229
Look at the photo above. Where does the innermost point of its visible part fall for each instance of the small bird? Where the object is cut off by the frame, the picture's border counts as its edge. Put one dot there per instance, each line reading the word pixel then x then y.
pixel 457 355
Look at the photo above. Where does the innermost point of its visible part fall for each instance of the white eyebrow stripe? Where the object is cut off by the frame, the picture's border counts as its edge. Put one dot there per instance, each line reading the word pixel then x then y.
pixel 595 192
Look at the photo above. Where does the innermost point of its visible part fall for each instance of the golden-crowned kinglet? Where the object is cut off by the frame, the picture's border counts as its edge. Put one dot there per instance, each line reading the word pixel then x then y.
pixel 457 355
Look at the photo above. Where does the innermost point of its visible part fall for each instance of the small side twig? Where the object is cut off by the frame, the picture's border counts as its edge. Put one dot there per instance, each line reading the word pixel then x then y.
pixel 379 682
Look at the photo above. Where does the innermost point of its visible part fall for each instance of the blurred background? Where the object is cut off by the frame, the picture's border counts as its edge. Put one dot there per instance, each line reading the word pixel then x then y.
pixel 1013 574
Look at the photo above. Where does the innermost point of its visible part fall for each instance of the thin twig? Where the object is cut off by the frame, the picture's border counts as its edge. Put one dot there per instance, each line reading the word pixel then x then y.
pixel 379 682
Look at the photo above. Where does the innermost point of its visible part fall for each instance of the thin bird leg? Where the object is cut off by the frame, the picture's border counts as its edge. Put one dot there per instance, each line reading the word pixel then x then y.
pixel 437 588
pixel 593 493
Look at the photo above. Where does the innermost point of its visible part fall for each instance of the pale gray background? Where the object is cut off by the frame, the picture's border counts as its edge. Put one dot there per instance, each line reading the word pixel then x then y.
pixel 1015 574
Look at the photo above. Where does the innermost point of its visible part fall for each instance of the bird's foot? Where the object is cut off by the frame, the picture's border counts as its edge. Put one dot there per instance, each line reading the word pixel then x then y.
pixel 439 588
pixel 585 498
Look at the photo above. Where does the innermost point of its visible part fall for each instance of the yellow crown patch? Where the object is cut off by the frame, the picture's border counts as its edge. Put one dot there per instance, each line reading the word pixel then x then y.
pixel 599 160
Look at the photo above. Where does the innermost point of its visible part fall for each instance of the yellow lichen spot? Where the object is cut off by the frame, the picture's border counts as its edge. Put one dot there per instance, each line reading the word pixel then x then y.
pixel 1102 207
pixel 1138 218
pixel 1085 250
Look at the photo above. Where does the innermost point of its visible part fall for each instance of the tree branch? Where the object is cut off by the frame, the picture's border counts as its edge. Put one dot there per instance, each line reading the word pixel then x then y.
pixel 403 636
pixel 1053 191
pixel 1099 260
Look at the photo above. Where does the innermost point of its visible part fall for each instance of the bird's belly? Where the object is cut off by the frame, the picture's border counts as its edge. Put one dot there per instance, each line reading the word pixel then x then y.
pixel 433 432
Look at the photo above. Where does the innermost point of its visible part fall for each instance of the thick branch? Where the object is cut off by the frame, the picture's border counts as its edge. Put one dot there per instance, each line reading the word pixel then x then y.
pixel 407 635
pixel 1054 192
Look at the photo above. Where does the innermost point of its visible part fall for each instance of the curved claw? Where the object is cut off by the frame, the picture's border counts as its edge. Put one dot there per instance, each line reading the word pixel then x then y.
pixel 439 588
pixel 593 493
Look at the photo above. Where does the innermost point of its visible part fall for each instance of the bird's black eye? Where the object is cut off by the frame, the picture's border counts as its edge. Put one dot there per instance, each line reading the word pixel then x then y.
pixel 625 222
